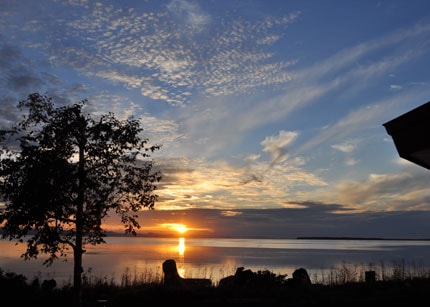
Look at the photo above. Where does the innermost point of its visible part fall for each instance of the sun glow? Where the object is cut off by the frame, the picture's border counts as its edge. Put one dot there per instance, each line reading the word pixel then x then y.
pixel 180 228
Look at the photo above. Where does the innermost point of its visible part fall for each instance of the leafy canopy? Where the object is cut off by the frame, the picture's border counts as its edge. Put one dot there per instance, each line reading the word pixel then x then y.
pixel 63 171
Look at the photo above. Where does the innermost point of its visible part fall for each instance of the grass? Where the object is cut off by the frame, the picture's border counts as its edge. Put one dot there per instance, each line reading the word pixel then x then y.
pixel 396 284
pixel 347 273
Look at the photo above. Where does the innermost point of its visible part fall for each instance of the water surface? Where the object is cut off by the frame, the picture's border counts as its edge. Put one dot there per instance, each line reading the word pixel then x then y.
pixel 142 258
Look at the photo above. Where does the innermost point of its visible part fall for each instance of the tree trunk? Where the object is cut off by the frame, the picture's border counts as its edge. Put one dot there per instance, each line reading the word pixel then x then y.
pixel 77 276
pixel 78 250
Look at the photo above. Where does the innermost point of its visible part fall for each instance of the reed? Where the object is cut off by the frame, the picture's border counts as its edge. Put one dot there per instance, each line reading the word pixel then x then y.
pixel 341 285
pixel 344 273
pixel 353 273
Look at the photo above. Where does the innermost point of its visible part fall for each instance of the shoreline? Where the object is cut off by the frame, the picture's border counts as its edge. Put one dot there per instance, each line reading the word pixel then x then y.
pixel 361 238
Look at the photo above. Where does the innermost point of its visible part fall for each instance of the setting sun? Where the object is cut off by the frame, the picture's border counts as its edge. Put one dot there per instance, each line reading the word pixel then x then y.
pixel 181 228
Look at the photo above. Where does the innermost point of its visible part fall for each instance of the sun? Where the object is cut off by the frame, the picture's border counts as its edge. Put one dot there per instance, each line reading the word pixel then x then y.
pixel 181 228
pixel 177 227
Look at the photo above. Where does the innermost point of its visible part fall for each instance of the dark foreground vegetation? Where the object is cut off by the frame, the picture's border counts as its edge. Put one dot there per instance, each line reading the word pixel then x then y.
pixel 267 290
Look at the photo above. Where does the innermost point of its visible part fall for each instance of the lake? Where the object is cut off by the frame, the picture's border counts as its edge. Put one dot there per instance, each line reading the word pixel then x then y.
pixel 142 258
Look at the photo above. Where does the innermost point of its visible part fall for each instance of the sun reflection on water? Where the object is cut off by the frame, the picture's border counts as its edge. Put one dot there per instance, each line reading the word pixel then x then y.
pixel 181 247
pixel 181 256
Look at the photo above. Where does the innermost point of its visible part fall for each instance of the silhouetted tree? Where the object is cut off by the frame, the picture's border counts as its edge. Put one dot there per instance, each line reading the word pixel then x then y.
pixel 62 171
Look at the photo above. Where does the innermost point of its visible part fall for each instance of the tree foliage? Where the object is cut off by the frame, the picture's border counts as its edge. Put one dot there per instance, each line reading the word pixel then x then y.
pixel 62 172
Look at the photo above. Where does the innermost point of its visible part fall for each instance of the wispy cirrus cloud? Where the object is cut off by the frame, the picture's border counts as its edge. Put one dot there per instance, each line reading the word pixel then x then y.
pixel 381 192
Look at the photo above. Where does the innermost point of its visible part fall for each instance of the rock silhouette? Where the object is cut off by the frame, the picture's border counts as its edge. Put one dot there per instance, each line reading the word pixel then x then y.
pixel 173 279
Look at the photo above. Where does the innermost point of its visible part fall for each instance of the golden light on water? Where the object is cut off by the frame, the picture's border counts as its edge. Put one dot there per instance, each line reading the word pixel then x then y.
pixel 181 247
pixel 181 257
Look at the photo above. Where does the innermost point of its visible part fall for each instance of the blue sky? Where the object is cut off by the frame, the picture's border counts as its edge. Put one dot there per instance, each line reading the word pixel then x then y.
pixel 275 105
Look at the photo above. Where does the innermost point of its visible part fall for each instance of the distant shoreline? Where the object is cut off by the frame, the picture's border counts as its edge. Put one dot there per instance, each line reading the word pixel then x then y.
pixel 155 235
pixel 360 238
pixel 191 236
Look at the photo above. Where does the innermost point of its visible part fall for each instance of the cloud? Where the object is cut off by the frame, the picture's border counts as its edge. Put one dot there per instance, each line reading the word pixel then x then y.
pixel 226 84
pixel 381 192
pixel 344 74
pixel 364 119
pixel 347 147
pixel 20 77
pixel 396 87
pixel 310 219
pixel 230 213
pixel 190 14
pixel 276 145
pixel 344 147
pixel 198 183
pixel 17 71
pixel 165 60
pixel 351 162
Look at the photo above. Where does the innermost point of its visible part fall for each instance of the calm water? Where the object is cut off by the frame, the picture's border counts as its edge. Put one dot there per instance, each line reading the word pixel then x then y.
pixel 217 258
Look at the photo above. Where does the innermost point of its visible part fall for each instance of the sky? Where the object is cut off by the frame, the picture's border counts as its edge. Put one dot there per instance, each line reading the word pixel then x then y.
pixel 270 113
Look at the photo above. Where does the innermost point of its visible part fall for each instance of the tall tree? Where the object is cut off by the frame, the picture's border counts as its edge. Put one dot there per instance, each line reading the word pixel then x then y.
pixel 62 172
